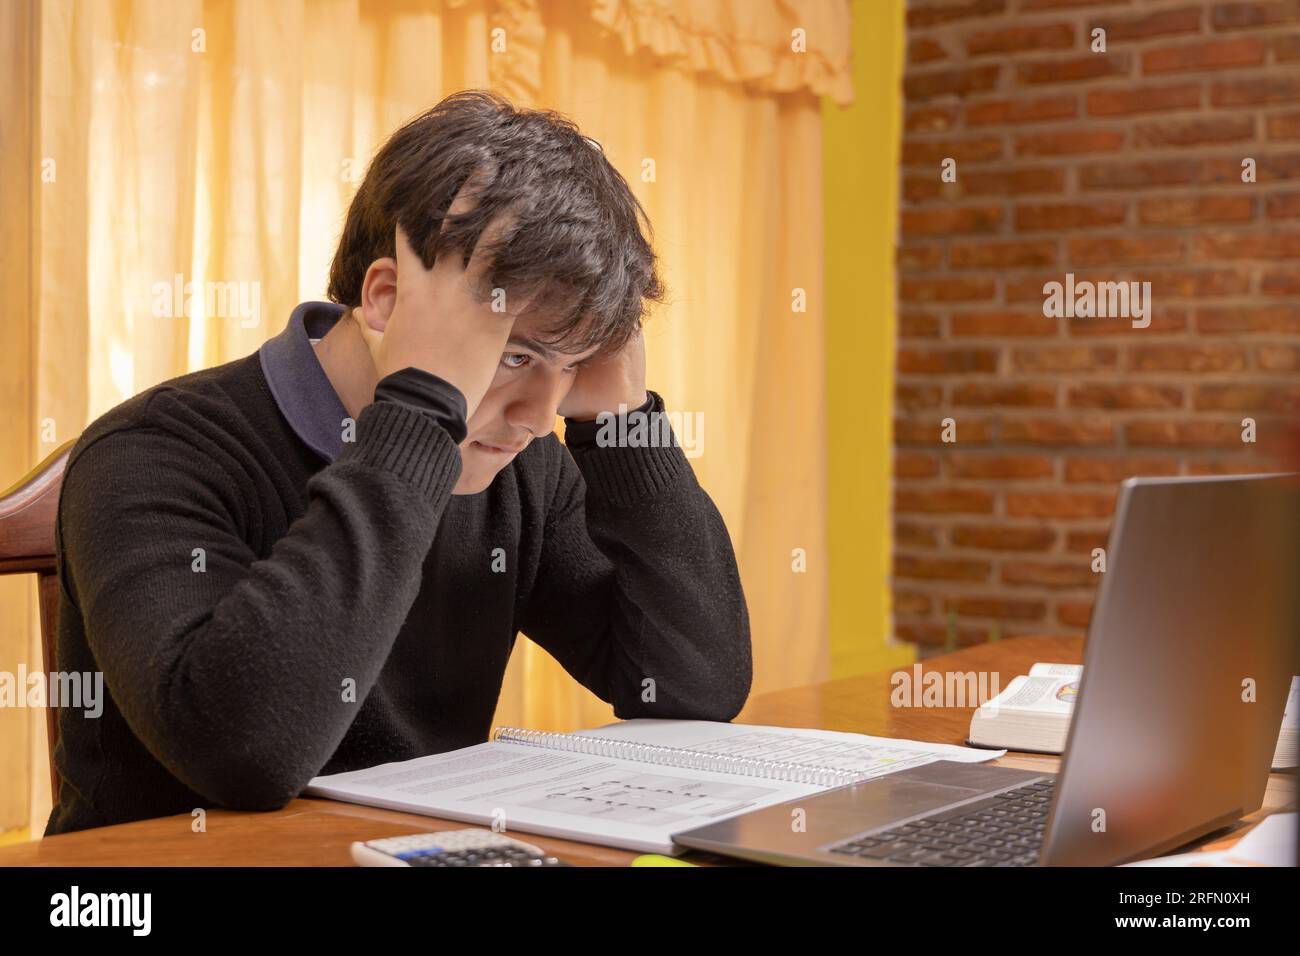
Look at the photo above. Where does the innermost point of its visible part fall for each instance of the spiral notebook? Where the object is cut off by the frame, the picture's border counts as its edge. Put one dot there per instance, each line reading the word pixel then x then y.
pixel 631 784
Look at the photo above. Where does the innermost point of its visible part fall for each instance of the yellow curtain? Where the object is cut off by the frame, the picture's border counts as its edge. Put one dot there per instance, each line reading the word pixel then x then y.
pixel 176 141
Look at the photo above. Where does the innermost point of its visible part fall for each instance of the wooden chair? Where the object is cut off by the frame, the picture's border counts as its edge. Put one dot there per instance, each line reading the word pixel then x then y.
pixel 27 513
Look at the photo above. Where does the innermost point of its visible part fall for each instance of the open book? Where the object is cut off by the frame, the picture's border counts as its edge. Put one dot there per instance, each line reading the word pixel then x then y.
pixel 1033 714
pixel 630 784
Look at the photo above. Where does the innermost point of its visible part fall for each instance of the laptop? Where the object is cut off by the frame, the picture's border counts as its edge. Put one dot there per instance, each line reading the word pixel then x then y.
pixel 1188 662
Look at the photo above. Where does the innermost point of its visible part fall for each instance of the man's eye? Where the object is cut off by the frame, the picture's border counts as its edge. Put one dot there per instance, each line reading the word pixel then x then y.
pixel 509 360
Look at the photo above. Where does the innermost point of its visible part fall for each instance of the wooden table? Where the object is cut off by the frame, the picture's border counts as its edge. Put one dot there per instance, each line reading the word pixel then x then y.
pixel 311 832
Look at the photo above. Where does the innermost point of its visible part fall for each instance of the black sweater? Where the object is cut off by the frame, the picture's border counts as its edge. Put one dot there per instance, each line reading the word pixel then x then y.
pixel 228 686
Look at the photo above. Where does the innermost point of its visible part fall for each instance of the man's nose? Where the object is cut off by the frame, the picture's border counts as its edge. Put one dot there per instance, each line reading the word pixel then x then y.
pixel 534 407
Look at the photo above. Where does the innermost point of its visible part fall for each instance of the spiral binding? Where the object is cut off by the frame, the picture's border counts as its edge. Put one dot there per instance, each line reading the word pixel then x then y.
pixel 681 757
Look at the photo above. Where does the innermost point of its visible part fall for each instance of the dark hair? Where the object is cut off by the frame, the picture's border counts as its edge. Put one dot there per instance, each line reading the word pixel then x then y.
pixel 574 237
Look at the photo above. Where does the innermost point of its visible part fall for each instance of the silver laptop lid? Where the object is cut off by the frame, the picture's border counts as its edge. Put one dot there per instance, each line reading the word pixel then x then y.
pixel 1189 658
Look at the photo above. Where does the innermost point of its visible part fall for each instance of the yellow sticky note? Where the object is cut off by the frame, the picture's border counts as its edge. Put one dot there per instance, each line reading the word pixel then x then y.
pixel 654 859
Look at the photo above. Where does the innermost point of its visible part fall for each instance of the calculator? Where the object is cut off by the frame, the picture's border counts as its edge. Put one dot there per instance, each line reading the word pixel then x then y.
pixel 469 847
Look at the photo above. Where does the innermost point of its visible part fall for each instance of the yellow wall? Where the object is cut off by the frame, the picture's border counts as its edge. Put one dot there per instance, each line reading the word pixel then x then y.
pixel 860 149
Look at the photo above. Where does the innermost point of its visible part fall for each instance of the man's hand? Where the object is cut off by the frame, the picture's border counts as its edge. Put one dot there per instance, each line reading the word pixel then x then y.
pixel 602 386
pixel 438 325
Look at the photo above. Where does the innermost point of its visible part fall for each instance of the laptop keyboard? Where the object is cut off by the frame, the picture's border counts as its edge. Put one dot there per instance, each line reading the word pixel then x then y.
pixel 1002 830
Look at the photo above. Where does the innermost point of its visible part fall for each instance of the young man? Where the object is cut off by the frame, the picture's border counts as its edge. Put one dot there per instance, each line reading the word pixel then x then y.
pixel 316 558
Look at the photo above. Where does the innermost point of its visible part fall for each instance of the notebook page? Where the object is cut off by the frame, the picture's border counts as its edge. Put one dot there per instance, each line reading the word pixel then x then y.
pixel 571 795
pixel 832 749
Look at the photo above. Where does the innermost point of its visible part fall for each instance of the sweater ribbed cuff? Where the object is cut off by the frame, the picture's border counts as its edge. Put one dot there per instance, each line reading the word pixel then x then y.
pixel 624 468
pixel 407 442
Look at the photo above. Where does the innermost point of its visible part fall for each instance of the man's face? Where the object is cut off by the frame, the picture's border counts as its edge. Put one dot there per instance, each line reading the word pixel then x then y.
pixel 520 405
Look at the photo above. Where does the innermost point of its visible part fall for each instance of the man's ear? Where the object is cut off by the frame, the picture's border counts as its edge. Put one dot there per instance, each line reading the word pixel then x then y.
pixel 378 294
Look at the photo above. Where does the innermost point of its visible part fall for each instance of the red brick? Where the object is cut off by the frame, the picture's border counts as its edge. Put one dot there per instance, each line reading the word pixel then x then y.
pixel 1162 321
pixel 1112 251
pixel 937 222
pixel 1198 284
pixel 1074 613
pixel 1012 182
pixel 1195 132
pixel 1286 48
pixel 1018 395
pixel 1211 55
pixel 911 464
pixel 1248 466
pixel 926 50
pixel 1028 5
pixel 997 607
pixel 1046 36
pixel 1090 66
pixel 1114 470
pixel 1002 255
pixel 1283 126
pixel 909 602
pixel 947 289
pixel 1144 99
pixel 918 326
pixel 1186 358
pixel 1077 574
pixel 1086 542
pixel 919 189
pixel 1067 359
pixel 934 151
pixel 1003 324
pixel 929 15
pixel 1000 466
pixel 1062 216
pixel 1234 321
pixel 920 257
pixel 944 500
pixel 1193 210
pixel 1208 434
pixel 1251 399
pixel 930 431
pixel 947 361
pixel 941 569
pixel 1069 142
pixel 1278 358
pixel 1283 206
pixel 933 633
pixel 1003 537
pixel 1223 245
pixel 1269 169
pixel 1256 91
pixel 1247 16
pixel 911 397
pixel 932 119
pixel 1279 283
pixel 1142 175
pixel 1055 431
pixel 1022 111
pixel 959 82
pixel 1126 395
pixel 1147 25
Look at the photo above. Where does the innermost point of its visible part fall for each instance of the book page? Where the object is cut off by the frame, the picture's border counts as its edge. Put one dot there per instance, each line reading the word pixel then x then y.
pixel 1073 671
pixel 859 754
pixel 1042 695
pixel 1291 716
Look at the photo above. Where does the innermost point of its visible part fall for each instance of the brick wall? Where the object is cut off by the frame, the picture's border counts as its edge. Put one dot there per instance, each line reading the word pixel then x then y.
pixel 1116 166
